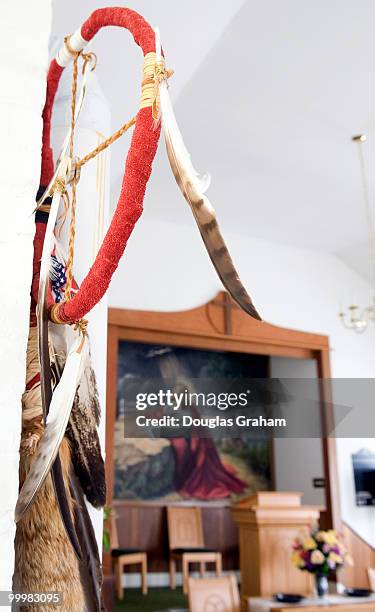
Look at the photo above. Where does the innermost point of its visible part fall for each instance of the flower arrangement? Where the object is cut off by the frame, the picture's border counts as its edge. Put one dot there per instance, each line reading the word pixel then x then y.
pixel 320 553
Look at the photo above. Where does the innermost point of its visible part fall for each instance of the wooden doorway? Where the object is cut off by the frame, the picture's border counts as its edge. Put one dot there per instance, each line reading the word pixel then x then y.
pixel 221 325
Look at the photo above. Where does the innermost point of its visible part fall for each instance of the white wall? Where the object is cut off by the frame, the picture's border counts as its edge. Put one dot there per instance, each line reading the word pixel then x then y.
pixel 291 474
pixel 24 36
pixel 166 268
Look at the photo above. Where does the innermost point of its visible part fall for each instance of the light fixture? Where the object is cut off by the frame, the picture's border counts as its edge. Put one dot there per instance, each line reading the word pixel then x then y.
pixel 357 319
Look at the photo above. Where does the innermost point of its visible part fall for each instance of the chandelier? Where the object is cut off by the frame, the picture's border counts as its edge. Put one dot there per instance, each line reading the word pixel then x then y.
pixel 357 318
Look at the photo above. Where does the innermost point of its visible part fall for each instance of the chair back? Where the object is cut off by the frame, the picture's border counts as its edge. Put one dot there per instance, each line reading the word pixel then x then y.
pixel 184 527
pixel 214 594
pixel 371 578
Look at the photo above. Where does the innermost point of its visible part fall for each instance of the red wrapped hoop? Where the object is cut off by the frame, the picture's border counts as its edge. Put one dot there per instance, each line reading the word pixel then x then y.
pixel 137 169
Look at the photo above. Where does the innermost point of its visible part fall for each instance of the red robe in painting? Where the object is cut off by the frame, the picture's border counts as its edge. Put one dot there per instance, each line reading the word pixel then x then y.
pixel 200 472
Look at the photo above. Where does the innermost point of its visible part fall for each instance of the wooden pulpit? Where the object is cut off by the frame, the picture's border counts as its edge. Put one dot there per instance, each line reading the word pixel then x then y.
pixel 268 523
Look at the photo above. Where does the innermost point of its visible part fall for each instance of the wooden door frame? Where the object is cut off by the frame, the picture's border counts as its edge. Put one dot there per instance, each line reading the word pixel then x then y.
pixel 207 327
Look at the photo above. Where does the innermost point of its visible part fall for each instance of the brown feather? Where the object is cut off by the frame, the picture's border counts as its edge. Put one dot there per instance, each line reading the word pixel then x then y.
pixel 82 433
pixel 82 429
pixel 205 218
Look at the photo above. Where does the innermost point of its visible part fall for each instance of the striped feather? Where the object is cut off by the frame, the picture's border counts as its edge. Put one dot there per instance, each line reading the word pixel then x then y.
pixel 84 440
pixel 193 187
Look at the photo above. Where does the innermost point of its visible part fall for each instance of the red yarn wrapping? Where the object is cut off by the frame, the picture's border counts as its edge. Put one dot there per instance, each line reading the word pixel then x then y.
pixel 142 32
pixel 137 169
pixel 129 209
pixel 53 78
pixel 40 231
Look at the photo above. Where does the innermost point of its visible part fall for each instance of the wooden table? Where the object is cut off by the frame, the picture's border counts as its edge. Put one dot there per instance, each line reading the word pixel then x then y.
pixel 332 602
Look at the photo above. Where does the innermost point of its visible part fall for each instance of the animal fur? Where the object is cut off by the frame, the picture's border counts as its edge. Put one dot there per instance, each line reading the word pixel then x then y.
pixel 45 558
pixel 42 530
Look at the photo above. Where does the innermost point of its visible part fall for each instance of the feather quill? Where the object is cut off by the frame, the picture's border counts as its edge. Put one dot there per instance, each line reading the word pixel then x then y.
pixel 193 188
pixel 42 312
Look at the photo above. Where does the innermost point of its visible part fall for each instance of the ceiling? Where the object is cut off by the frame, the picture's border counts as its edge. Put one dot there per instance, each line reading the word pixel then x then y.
pixel 268 95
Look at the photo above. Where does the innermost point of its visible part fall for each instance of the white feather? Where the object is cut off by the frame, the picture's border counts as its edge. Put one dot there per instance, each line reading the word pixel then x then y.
pixel 201 183
pixel 57 420
pixel 170 126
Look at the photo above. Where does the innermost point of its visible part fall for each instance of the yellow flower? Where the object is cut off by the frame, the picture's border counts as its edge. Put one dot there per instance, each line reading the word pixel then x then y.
pixel 329 537
pixel 317 557
pixel 309 543
pixel 334 558
pixel 332 537
pixel 296 559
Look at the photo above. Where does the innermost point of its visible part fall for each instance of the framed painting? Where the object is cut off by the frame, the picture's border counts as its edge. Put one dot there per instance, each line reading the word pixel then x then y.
pixel 175 469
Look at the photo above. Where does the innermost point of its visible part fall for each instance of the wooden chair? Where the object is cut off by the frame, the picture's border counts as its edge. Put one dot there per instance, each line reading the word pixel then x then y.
pixel 126 556
pixel 371 578
pixel 186 544
pixel 206 594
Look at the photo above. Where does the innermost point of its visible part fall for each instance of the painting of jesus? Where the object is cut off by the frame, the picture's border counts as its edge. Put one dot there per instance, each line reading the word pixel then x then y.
pixel 191 468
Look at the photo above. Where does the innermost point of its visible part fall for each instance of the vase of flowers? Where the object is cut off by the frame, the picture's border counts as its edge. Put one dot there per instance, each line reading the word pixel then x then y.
pixel 320 553
pixel 321 585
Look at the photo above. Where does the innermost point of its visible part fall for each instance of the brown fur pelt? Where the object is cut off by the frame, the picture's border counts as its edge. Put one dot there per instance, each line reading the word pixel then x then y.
pixel 42 529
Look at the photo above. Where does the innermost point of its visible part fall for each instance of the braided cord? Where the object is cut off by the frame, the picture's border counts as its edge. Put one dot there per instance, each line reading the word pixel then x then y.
pixel 72 227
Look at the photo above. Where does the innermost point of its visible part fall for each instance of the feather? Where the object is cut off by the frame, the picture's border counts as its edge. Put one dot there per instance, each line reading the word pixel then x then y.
pixel 193 188
pixel 33 481
pixel 56 411
pixel 46 386
pixel 46 373
pixel 63 505
pixel 89 566
pixel 59 488
pixel 42 312
pixel 83 436
pixel 84 419
pixel 82 427
pixel 57 419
